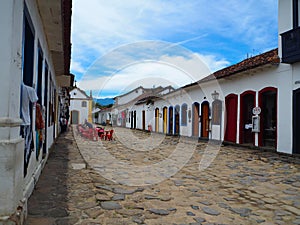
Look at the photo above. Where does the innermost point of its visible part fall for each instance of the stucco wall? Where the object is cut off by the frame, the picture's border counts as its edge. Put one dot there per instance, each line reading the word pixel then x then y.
pixel 77 97
pixel 130 96
pixel 14 187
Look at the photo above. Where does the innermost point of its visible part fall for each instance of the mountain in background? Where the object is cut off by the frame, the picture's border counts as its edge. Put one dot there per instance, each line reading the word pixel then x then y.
pixel 104 101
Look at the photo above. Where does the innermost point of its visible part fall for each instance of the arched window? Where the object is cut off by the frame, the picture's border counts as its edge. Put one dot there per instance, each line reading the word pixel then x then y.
pixel 83 104
pixel 184 114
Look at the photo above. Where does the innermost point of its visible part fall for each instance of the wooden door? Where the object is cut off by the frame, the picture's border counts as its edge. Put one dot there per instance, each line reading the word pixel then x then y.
pixel 131 119
pixel 74 117
pixel 134 120
pixel 165 114
pixel 268 117
pixel 204 119
pixel 156 120
pixel 195 119
pixel 171 120
pixel 177 113
pixel 231 117
pixel 247 103
pixel 143 119
pixel 296 125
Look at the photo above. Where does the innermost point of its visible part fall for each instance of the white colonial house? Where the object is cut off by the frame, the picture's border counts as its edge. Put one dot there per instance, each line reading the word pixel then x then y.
pixel 102 116
pixel 124 110
pixel 34 60
pixel 80 106
pixel 255 102
pixel 289 53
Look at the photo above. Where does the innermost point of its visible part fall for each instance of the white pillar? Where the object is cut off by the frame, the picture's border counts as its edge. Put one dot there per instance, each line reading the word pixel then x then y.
pixel 11 144
pixel 256 133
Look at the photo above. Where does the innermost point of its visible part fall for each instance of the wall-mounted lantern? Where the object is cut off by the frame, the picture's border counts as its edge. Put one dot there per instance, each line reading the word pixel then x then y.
pixel 189 114
pixel 215 95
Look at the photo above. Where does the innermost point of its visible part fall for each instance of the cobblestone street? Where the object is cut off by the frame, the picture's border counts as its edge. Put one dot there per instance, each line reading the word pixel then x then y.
pixel 143 178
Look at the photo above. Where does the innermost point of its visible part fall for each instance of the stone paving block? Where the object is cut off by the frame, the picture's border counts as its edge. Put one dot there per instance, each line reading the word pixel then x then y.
pixel 240 186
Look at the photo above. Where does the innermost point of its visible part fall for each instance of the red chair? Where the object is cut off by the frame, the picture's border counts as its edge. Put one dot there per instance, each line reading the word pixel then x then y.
pixel 107 135
pixel 89 133
pixel 94 134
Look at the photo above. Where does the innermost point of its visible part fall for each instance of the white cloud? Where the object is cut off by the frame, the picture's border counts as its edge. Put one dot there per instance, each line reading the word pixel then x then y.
pixel 228 26
pixel 77 67
pixel 168 70
pixel 103 25
pixel 213 63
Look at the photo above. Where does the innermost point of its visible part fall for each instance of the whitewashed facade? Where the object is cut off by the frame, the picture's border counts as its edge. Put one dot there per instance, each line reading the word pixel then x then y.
pixel 222 106
pixel 80 106
pixel 124 111
pixel 289 52
pixel 29 55
pixel 104 116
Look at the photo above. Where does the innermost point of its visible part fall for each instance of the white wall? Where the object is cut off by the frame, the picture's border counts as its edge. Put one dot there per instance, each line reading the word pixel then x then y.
pixel 83 111
pixel 35 165
pixel 77 94
pixel 285 19
pixel 103 116
pixel 130 96
pixel 290 79
pixel 279 77
pixel 77 97
pixel 296 75
pixel 13 186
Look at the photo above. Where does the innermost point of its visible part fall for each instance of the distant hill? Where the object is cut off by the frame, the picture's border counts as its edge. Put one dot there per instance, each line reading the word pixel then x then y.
pixel 104 101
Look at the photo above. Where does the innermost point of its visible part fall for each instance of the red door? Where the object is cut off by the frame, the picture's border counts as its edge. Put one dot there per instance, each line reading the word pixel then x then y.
pixel 247 103
pixel 231 117
pixel 204 119
pixel 268 117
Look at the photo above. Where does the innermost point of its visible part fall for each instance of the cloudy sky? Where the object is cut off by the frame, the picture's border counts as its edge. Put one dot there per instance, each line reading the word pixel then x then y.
pixel 119 45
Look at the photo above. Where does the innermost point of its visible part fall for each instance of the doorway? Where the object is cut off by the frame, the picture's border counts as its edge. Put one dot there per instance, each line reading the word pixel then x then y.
pixel 46 106
pixel 134 120
pixel 131 119
pixel 195 119
pixel 247 103
pixel 144 120
pixel 177 126
pixel 74 117
pixel 165 114
pixel 268 119
pixel 296 122
pixel 231 117
pixel 156 119
pixel 171 120
pixel 204 119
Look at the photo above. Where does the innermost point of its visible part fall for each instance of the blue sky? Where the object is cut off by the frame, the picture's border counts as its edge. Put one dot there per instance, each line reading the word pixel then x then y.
pixel 118 45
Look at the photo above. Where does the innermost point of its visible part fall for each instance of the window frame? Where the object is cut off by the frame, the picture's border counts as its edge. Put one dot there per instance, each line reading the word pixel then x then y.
pixel 83 104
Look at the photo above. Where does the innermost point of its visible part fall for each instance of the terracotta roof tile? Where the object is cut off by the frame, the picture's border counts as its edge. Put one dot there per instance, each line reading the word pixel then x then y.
pixel 270 57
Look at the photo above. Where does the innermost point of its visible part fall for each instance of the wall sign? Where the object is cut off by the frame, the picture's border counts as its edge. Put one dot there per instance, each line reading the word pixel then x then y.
pixel 256 124
pixel 256 110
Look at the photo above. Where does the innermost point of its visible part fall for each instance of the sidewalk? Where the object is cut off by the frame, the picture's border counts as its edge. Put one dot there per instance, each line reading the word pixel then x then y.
pixel 62 193
pixel 240 186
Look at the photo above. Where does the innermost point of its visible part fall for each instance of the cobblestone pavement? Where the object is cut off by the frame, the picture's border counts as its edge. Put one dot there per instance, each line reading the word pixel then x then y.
pixel 140 178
